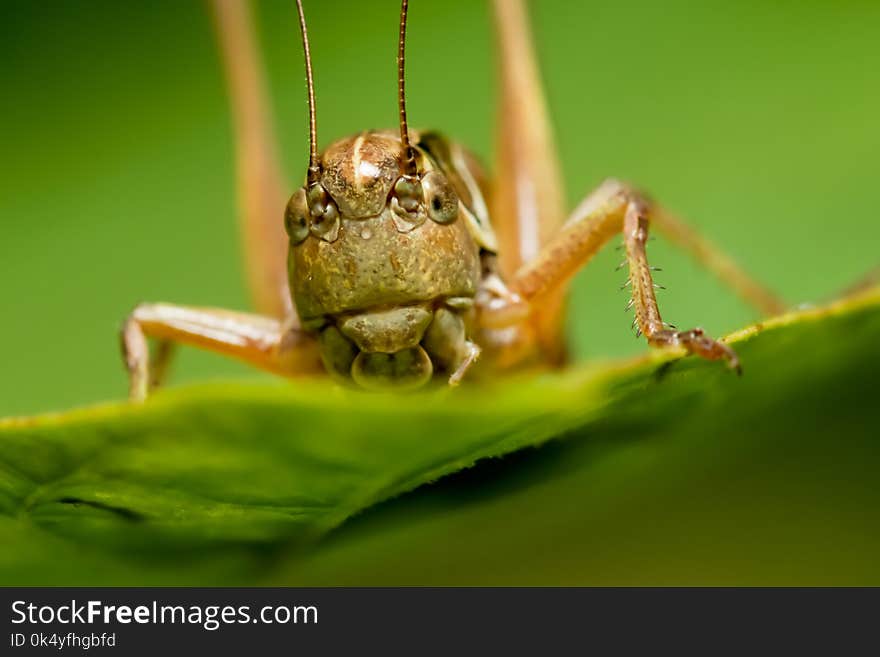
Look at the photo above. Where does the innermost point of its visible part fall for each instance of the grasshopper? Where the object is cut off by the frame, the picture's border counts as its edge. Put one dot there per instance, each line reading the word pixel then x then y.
pixel 398 262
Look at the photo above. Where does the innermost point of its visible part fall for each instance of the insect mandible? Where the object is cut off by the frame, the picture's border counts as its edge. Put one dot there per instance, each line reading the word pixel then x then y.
pixel 398 262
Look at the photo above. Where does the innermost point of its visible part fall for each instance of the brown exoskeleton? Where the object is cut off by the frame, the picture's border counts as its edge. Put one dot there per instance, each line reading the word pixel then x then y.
pixel 403 263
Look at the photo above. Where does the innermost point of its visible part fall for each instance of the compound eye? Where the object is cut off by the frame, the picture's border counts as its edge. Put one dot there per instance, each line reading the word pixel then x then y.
pixel 440 198
pixel 324 215
pixel 296 217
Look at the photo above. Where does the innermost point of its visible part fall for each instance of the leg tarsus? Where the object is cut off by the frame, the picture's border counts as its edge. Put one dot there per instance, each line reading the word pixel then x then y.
pixel 697 342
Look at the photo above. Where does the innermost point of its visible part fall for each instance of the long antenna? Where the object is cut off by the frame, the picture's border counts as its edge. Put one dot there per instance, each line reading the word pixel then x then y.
pixel 314 168
pixel 409 156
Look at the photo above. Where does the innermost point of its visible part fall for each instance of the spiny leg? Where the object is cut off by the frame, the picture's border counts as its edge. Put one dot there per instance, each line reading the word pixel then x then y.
pixel 260 177
pixel 264 342
pixel 609 210
pixel 635 233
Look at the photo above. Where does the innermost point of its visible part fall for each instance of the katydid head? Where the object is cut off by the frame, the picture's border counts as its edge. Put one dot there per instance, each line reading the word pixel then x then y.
pixel 361 177
pixel 376 249
pixel 357 178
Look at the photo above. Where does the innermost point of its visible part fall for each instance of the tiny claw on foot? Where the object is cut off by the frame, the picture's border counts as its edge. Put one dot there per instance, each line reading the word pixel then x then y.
pixel 697 342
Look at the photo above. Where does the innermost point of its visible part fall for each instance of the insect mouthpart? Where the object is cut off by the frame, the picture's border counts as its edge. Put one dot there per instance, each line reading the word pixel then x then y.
pixel 388 340
pixel 398 347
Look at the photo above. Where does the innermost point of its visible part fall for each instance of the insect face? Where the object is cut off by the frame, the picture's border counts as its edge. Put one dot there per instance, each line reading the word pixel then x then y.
pixel 374 253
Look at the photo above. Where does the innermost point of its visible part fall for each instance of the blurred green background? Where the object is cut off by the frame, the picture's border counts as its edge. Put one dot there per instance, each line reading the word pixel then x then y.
pixel 755 120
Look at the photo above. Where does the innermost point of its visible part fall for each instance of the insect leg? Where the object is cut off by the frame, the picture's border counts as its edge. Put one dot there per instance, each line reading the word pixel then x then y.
pixel 635 233
pixel 161 362
pixel 264 342
pixel 528 199
pixel 259 174
pixel 866 282
pixel 527 205
pixel 609 210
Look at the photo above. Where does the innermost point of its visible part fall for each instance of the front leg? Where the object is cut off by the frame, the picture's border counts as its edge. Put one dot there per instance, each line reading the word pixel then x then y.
pixel 611 209
pixel 264 342
pixel 635 234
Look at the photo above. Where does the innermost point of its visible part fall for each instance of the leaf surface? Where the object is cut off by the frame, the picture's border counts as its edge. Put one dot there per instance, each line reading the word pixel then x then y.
pixel 660 470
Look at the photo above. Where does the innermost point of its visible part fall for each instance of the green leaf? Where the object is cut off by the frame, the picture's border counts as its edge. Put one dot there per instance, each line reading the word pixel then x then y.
pixel 662 470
